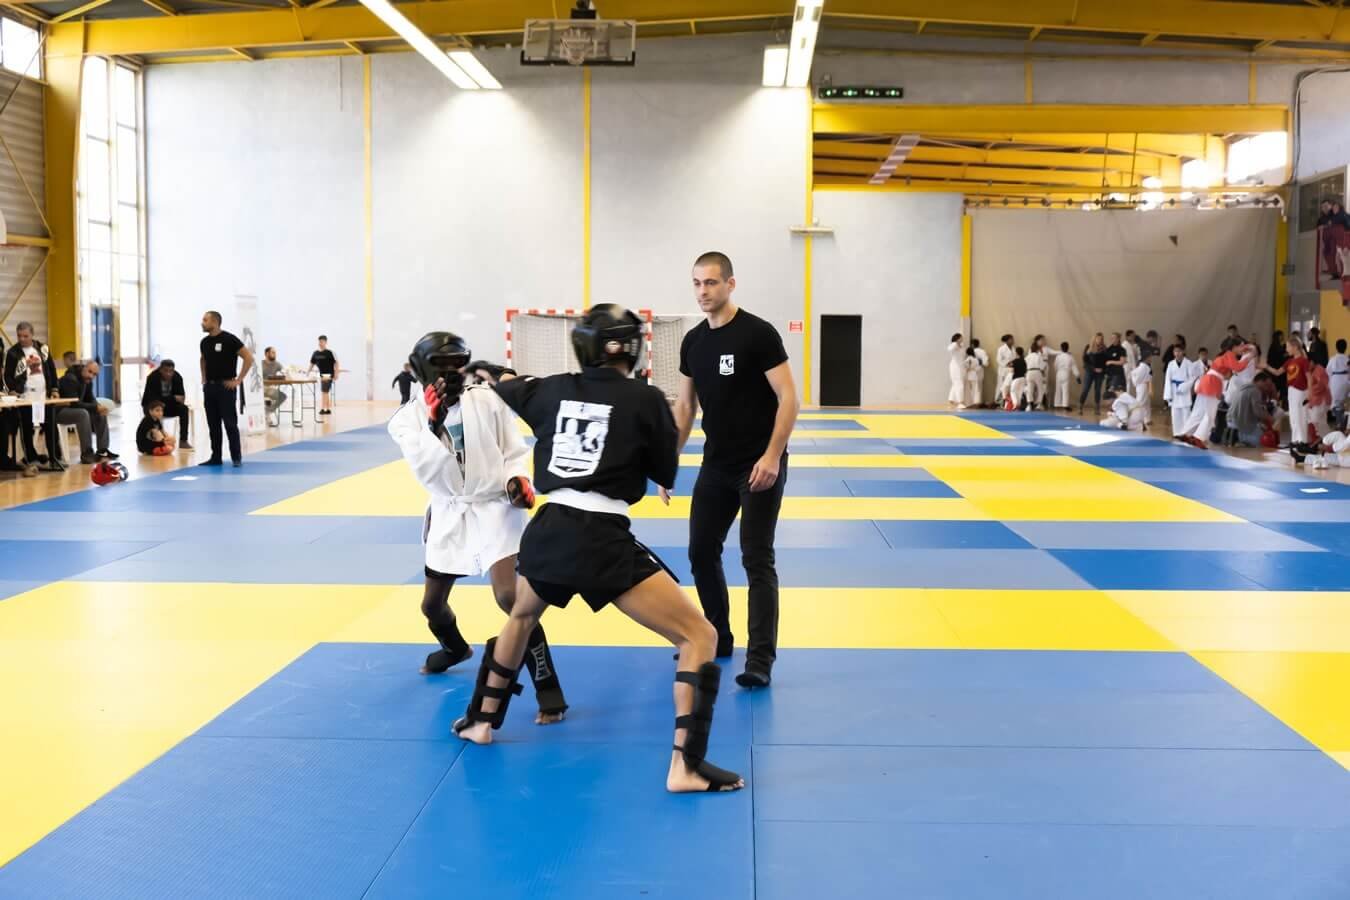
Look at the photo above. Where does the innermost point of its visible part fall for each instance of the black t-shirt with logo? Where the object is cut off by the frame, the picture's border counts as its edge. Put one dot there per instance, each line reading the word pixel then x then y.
pixel 221 354
pixel 324 361
pixel 596 431
pixel 727 365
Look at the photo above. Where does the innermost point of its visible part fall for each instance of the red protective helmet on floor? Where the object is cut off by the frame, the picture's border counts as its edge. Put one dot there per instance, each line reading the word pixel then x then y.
pixel 1270 439
pixel 107 473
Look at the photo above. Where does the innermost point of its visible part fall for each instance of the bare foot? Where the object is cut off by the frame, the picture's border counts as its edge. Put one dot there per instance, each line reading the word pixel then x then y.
pixel 682 780
pixel 544 718
pixel 478 733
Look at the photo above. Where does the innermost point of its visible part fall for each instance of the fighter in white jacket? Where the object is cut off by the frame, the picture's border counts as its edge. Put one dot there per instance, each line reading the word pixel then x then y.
pixel 1066 374
pixel 1004 357
pixel 956 371
pixel 1179 382
pixel 976 362
pixel 464 447
pixel 1130 411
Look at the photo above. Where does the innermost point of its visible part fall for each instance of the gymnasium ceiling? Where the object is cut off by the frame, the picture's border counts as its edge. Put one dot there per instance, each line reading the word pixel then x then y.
pixel 992 161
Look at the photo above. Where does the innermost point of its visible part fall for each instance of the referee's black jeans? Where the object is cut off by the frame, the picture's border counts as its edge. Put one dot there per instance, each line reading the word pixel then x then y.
pixel 220 410
pixel 719 494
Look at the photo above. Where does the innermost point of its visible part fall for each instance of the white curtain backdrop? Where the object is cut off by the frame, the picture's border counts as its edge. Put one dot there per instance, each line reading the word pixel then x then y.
pixel 1068 274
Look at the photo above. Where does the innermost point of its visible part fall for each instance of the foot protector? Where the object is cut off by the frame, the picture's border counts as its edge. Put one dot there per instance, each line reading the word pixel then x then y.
pixel 539 660
pixel 454 649
pixel 698 726
pixel 483 690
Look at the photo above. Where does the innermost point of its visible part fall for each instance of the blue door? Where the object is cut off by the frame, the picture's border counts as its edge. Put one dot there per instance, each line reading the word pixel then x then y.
pixel 103 345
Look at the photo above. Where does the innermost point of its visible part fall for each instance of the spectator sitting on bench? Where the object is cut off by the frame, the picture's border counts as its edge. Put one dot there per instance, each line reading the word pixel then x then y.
pixel 86 415
pixel 150 437
pixel 166 386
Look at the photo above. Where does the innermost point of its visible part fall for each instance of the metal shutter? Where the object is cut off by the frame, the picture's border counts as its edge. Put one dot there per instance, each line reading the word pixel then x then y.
pixel 22 126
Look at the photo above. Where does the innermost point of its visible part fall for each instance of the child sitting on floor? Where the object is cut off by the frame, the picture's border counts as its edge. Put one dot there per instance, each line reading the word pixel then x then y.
pixel 150 437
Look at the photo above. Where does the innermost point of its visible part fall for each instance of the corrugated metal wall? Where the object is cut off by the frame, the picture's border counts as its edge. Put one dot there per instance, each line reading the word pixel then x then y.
pixel 21 124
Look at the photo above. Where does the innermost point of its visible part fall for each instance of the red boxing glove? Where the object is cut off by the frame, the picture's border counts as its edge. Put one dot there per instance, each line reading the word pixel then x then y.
pixel 433 405
pixel 520 492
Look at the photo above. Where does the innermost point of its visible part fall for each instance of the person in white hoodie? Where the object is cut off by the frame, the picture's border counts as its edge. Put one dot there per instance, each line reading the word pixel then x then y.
pixel 1004 357
pixel 1067 374
pixel 956 371
pixel 463 446
pixel 976 362
pixel 1338 370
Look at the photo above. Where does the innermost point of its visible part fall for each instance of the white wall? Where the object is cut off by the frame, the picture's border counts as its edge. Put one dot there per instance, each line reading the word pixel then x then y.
pixel 477 203
pixel 1324 126
pixel 690 154
pixel 254 186
pixel 894 259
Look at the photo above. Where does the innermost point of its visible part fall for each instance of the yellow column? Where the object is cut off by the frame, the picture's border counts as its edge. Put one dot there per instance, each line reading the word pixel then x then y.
pixel 370 236
pixel 586 189
pixel 965 267
pixel 1281 283
pixel 65 55
pixel 807 329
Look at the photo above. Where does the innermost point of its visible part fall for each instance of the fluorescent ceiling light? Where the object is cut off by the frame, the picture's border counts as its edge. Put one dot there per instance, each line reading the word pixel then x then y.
pixel 805 26
pixel 775 65
pixel 474 69
pixel 386 13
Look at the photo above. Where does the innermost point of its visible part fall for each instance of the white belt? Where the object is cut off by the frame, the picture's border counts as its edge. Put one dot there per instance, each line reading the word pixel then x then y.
pixel 588 501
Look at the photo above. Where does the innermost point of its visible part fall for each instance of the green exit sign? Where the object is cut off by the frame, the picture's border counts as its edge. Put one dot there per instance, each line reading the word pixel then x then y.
pixel 860 93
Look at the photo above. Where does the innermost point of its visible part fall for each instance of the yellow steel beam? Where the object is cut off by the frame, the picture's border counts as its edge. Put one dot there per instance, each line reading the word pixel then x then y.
pixel 860 119
pixel 243 54
pixel 1185 18
pixel 332 24
pixel 855 182
pixel 28 240
pixel 978 174
pixel 61 122
pixel 79 11
pixel 1192 145
pixel 161 6
pixel 1121 162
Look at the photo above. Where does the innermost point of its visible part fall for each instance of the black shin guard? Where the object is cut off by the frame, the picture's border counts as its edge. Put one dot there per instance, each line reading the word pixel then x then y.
pixel 539 661
pixel 698 726
pixel 454 649
pixel 483 690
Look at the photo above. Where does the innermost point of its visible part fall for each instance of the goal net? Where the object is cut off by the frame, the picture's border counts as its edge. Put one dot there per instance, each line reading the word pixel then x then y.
pixel 667 334
pixel 539 342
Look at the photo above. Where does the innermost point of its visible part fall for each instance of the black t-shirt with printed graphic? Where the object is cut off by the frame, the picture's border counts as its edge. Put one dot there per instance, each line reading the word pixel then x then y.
pixel 596 431
pixel 221 354
pixel 727 365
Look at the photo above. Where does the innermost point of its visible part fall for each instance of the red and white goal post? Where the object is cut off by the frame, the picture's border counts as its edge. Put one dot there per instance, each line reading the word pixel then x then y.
pixel 539 342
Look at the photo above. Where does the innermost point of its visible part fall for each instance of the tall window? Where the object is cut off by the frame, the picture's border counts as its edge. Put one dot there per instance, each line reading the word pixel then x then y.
pixel 19 48
pixel 111 212
pixel 1252 156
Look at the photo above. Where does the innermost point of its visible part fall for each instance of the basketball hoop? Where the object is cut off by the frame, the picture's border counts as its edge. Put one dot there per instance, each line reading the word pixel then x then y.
pixel 575 45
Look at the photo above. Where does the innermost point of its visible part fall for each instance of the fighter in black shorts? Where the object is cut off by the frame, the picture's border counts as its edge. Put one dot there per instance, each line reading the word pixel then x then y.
pixel 599 436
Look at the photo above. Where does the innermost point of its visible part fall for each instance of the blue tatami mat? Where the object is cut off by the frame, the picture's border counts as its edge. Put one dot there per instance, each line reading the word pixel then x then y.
pixel 791 534
pixel 1221 536
pixel 232 817
pixel 375 692
pixel 1138 570
pixel 528 821
pixel 314 563
pixel 61 559
pixel 915 535
pixel 1049 786
pixel 868 860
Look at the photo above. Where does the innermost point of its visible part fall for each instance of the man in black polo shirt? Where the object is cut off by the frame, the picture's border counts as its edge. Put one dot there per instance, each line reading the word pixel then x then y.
pixel 324 360
pixel 733 365
pixel 220 385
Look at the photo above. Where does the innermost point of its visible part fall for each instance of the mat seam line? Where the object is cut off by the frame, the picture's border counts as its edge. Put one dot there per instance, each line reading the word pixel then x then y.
pixel 413 821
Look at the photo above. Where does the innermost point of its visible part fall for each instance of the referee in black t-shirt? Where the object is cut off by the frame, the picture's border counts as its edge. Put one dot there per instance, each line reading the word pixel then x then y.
pixel 734 366
pixel 324 360
pixel 220 386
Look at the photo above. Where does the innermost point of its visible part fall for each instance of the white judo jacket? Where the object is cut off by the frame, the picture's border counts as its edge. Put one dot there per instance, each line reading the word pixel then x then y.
pixel 469 523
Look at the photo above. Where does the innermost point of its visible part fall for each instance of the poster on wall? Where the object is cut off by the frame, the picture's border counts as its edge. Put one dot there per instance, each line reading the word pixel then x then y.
pixel 253 417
